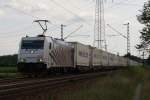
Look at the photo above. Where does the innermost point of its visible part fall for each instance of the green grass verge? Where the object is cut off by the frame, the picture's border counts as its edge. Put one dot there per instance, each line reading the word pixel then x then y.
pixel 108 88
pixel 8 75
pixel 8 69
pixel 8 72
pixel 119 86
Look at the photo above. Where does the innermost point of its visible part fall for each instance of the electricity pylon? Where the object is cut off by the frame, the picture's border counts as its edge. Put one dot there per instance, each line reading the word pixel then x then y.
pixel 99 27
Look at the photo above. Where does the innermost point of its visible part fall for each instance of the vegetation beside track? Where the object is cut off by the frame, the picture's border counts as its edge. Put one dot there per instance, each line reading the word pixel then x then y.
pixel 8 60
pixel 119 86
pixel 8 72
pixel 8 65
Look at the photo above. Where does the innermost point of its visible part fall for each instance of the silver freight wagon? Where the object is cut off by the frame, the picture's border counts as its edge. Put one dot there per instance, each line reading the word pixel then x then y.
pixel 81 55
pixel 104 59
pixel 96 57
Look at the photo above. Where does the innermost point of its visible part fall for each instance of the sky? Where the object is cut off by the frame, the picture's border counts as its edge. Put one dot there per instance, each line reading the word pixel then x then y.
pixel 17 16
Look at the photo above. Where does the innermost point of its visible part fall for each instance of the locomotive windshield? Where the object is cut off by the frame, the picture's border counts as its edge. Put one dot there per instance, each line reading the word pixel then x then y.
pixel 32 44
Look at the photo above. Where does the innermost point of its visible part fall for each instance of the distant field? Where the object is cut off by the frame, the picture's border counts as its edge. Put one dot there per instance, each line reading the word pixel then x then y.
pixel 119 86
pixel 8 72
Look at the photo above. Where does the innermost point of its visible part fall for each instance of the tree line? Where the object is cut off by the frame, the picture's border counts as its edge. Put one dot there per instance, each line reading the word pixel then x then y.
pixel 8 60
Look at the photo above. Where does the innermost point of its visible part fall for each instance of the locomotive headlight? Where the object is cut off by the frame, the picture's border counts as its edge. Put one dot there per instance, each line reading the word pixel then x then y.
pixel 22 60
pixel 40 60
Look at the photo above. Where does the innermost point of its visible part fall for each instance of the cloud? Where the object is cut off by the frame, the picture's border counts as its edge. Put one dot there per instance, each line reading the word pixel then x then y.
pixel 2 13
pixel 29 5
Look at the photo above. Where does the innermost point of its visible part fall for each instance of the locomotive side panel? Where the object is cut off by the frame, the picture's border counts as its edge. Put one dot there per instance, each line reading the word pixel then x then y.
pixel 61 55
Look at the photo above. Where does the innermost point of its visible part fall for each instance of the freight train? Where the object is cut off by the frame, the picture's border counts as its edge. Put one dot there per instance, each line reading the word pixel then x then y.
pixel 46 54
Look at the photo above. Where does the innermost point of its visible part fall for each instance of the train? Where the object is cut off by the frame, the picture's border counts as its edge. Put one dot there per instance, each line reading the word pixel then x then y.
pixel 46 54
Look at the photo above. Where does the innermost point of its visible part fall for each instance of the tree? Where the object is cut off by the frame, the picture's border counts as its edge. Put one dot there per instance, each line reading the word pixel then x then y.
pixel 9 60
pixel 144 18
pixel 148 60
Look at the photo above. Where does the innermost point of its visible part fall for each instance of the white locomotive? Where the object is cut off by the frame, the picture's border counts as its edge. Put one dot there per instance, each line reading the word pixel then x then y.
pixel 37 54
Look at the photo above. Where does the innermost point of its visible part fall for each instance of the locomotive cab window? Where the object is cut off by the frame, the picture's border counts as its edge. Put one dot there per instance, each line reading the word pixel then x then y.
pixel 32 44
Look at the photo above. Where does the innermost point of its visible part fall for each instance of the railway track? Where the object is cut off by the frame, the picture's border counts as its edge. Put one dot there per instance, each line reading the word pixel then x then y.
pixel 10 80
pixel 22 87
pixel 21 79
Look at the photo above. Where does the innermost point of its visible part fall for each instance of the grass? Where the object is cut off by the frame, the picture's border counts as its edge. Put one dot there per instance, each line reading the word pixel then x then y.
pixel 119 86
pixel 8 72
pixel 146 86
pixel 105 89
pixel 8 75
pixel 8 69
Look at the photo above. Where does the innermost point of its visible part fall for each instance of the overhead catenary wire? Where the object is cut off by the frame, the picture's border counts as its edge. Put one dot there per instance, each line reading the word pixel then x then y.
pixel 73 31
pixel 121 34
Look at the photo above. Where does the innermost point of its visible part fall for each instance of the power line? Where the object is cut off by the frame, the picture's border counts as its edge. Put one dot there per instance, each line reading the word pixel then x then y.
pixel 131 4
pixel 119 3
pixel 15 31
pixel 58 26
pixel 23 12
pixel 72 4
pixel 73 31
pixel 121 34
pixel 20 11
pixel 69 11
